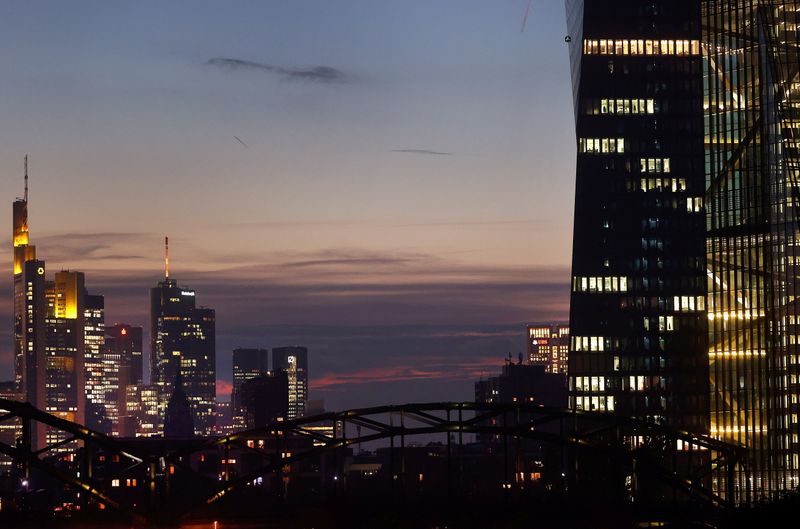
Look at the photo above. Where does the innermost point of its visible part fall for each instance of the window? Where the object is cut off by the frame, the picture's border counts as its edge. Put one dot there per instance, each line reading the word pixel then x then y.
pixel 601 145
pixel 600 284
pixel 641 47
pixel 654 165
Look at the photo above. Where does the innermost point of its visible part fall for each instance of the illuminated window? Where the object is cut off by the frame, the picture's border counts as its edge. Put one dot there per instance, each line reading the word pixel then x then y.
pixel 601 145
pixel 654 165
pixel 641 47
pixel 600 284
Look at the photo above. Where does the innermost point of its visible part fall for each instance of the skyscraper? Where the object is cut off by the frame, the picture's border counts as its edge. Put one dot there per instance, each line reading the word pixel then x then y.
pixel 95 375
pixel 266 399
pixel 752 98
pixel 247 364
pixel 182 337
pixel 639 332
pixel 122 367
pixel 293 360
pixel 29 313
pixel 686 122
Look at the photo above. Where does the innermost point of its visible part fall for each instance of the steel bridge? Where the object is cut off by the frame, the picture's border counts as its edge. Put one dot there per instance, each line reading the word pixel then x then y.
pixel 678 462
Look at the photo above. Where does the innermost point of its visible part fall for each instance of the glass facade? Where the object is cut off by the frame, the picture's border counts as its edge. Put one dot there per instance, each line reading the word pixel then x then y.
pixel 639 332
pixel 752 104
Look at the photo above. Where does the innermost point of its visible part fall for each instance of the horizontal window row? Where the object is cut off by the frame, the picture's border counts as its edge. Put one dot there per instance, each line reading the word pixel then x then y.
pixel 654 165
pixel 662 184
pixel 599 384
pixel 640 47
pixel 622 106
pixel 688 303
pixel 660 323
pixel 600 284
pixel 601 145
pixel 593 403
pixel 587 343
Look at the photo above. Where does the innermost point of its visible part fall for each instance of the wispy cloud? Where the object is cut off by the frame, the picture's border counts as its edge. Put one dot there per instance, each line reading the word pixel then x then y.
pixel 321 74
pixel 423 151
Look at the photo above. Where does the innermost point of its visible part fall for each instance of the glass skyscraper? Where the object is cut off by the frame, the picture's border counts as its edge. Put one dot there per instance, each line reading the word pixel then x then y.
pixel 686 248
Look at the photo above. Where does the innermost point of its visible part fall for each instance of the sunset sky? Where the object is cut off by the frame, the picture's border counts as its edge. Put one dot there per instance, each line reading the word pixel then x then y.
pixel 389 183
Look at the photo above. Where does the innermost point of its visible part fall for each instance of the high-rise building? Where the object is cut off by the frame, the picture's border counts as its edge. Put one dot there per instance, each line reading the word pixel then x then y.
pixel 65 345
pixel 182 338
pixel 639 332
pixel 266 399
pixel 30 309
pixel 684 289
pixel 752 98
pixel 94 340
pixel 548 345
pixel 143 415
pixel 293 360
pixel 122 367
pixel 247 364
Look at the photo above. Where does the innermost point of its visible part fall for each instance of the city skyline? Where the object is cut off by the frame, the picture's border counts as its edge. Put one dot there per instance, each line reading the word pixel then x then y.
pixel 297 257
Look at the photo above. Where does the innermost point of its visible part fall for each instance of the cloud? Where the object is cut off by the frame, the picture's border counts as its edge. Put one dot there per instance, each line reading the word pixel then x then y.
pixel 423 151
pixel 320 74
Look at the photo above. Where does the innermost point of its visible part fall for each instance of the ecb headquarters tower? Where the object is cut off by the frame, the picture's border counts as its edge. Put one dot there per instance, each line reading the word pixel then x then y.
pixel 686 255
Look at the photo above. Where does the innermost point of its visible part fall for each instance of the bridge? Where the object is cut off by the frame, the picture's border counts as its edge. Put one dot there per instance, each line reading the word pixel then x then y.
pixel 156 481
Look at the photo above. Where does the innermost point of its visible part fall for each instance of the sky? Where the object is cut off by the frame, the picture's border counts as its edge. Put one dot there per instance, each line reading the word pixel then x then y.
pixel 388 183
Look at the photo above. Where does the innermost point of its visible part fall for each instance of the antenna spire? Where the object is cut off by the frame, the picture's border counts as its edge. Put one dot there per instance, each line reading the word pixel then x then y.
pixel 26 178
pixel 166 257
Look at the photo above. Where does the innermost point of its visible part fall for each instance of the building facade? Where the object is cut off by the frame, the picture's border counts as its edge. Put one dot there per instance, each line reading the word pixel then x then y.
pixel 639 333
pixel 247 364
pixel 684 286
pixel 752 104
pixel 293 360
pixel 548 345
pixel 182 338
pixel 122 367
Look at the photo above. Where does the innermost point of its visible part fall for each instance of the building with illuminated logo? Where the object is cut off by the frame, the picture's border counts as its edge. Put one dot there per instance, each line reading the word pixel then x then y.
pixel 122 367
pixel 685 252
pixel 293 360
pixel 548 345
pixel 182 336
pixel 247 364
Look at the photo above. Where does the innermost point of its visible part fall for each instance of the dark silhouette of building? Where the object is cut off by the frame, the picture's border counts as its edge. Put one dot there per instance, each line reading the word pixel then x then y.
pixel 639 331
pixel 265 399
pixel 247 364
pixel 178 420
pixel 182 338
pixel 293 360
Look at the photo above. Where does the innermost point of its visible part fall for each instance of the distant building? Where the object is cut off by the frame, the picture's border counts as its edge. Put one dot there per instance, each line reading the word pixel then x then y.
pixel 182 338
pixel 265 399
pixel 247 364
pixel 100 413
pixel 143 417
pixel 548 345
pixel 10 429
pixel 224 424
pixel 524 383
pixel 122 367
pixel 293 360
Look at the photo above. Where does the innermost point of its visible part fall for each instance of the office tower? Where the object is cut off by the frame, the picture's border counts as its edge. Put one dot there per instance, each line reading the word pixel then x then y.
pixel 293 360
pixel 143 415
pixel 29 313
pixel 266 399
pixel 247 364
pixel 10 429
pixel 65 393
pixel 98 408
pixel 182 338
pixel 752 99
pixel 122 367
pixel 639 331
pixel 548 346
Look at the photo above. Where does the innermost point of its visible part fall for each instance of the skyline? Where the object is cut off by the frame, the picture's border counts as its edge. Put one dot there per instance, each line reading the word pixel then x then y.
pixel 461 269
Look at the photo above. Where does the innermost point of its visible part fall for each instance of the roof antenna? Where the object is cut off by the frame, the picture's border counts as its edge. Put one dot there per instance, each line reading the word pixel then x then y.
pixel 166 257
pixel 26 178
